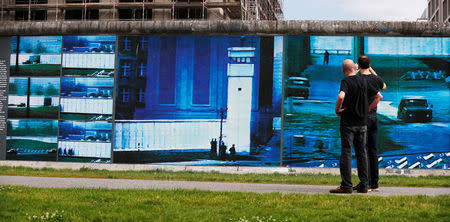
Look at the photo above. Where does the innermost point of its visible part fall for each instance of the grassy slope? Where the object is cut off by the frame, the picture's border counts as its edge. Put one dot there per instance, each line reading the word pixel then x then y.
pixel 81 72
pixel 37 70
pixel 81 116
pixel 313 179
pixel 48 112
pixel 19 203
pixel 29 144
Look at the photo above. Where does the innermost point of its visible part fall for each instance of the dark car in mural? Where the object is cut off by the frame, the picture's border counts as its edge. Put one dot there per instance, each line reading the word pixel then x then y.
pixel 415 109
pixel 298 87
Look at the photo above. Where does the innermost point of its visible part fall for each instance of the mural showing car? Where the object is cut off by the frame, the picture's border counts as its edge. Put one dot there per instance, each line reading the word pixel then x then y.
pixel 298 87
pixel 415 109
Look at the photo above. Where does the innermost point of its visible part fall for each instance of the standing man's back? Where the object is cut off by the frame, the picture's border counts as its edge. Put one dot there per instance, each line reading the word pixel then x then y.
pixel 355 102
pixel 352 107
pixel 374 85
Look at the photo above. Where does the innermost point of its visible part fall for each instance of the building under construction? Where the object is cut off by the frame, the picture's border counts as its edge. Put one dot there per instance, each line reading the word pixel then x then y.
pixel 140 10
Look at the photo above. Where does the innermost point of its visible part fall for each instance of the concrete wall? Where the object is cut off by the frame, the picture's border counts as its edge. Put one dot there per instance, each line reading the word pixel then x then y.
pixel 227 27
pixel 220 169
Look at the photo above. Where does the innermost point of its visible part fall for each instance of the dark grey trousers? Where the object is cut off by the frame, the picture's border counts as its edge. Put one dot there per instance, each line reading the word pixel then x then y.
pixel 372 130
pixel 353 135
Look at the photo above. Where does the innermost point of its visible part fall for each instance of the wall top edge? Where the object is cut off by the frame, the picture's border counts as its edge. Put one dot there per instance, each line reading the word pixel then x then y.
pixel 227 27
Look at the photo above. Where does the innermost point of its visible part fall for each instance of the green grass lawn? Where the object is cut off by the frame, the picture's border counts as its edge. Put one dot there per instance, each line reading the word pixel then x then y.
pixel 37 70
pixel 29 144
pixel 43 112
pixel 82 116
pixel 80 159
pixel 23 203
pixel 81 72
pixel 311 179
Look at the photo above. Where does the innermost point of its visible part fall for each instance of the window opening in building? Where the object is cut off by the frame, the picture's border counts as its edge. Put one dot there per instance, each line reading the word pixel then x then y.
pixel 189 11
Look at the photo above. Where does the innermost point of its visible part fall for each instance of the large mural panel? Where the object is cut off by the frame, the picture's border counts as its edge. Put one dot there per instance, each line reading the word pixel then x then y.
pixel 414 118
pixel 81 95
pixel 218 100
pixel 31 140
pixel 36 56
pixel 203 100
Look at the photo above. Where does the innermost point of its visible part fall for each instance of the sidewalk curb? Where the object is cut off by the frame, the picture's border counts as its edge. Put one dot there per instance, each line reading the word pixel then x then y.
pixel 130 184
pixel 220 169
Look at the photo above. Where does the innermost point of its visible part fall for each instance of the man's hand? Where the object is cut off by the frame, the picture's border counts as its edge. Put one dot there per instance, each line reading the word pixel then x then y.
pixel 372 71
pixel 339 111
pixel 375 101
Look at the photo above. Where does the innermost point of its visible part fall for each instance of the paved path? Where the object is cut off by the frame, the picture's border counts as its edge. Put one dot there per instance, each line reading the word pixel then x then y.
pixel 55 182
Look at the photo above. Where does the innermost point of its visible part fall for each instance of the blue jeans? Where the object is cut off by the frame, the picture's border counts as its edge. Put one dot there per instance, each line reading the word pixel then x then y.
pixel 372 130
pixel 353 135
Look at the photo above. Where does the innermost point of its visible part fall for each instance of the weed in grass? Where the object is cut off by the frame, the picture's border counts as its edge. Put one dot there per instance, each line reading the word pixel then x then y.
pixel 9 189
pixel 47 216
pixel 258 219
pixel 84 169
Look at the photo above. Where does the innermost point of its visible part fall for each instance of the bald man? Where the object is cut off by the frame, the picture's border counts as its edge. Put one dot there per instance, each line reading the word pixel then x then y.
pixel 352 107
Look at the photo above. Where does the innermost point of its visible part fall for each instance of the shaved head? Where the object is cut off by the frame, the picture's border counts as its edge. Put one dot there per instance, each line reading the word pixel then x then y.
pixel 348 66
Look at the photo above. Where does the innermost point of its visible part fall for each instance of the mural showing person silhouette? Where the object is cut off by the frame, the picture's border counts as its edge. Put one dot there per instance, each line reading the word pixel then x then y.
pixel 213 150
pixel 233 153
pixel 326 57
pixel 222 151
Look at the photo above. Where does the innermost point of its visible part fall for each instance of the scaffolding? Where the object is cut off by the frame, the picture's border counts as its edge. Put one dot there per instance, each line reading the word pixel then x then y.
pixel 262 9
pixel 230 9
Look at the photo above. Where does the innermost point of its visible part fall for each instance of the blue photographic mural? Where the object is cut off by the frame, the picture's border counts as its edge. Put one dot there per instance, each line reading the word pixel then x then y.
pixel 87 98
pixel 221 100
pixel 31 140
pixel 89 56
pixel 413 116
pixel 36 98
pixel 36 56
pixel 198 100
pixel 84 141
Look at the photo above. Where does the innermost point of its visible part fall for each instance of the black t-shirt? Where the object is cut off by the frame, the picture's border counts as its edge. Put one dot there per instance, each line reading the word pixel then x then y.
pixel 374 85
pixel 355 101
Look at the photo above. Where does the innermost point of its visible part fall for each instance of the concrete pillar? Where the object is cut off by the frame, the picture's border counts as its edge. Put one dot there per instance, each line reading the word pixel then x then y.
pixel 51 13
pixel 215 14
pixel 108 14
pixel 162 14
pixel 358 47
pixel 298 54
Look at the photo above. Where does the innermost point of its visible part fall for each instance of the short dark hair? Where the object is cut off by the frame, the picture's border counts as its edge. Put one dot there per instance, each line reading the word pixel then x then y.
pixel 364 62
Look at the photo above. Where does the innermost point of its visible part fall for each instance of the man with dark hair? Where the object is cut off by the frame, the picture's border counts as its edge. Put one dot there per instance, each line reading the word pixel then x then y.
pixel 374 85
pixel 352 107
